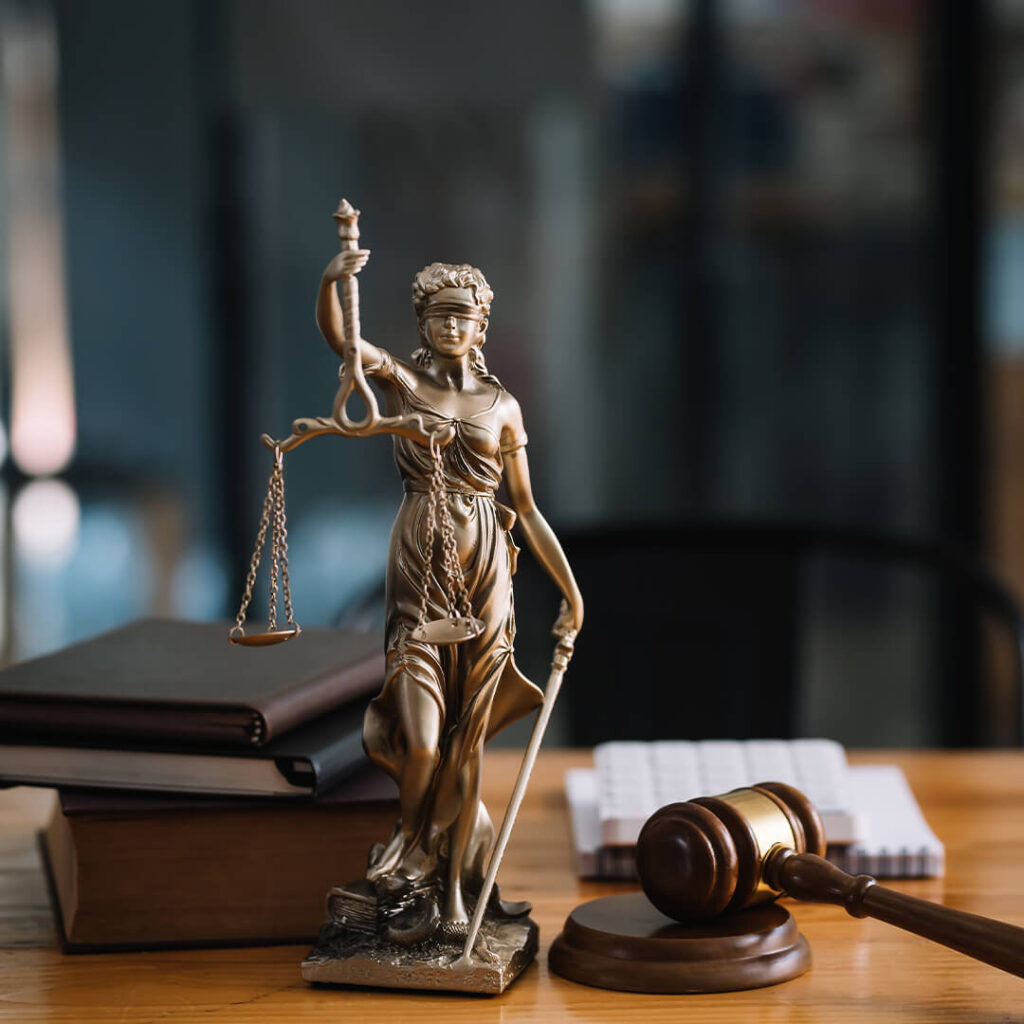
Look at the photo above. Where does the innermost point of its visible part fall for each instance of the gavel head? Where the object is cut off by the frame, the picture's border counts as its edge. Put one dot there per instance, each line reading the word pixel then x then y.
pixel 707 857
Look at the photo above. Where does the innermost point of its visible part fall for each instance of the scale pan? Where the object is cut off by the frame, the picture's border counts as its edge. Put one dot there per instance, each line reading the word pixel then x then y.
pixel 451 630
pixel 273 636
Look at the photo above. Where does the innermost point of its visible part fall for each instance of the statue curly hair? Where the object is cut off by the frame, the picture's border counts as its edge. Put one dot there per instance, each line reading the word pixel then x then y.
pixel 434 278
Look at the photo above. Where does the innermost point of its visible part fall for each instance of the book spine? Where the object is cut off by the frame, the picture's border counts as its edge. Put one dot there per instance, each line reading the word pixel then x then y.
pixel 27 721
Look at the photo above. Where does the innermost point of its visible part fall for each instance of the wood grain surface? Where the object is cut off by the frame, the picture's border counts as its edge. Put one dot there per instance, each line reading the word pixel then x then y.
pixel 862 969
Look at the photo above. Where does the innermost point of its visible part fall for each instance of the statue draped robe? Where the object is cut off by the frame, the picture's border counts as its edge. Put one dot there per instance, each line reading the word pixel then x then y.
pixel 475 684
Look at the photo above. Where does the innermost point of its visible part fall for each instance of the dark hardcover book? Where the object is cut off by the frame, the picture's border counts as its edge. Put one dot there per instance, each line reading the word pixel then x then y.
pixel 133 872
pixel 307 761
pixel 183 682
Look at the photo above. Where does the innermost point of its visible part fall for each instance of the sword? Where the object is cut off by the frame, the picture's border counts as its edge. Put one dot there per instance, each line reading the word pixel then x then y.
pixel 559 663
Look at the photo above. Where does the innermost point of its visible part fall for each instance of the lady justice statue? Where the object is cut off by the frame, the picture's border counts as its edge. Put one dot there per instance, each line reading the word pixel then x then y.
pixel 451 681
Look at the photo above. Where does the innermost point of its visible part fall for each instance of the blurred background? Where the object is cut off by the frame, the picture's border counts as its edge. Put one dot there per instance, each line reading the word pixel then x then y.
pixel 759 275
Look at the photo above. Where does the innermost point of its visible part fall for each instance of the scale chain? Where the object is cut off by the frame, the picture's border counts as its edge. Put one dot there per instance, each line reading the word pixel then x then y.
pixel 455 585
pixel 254 565
pixel 458 598
pixel 275 567
pixel 439 515
pixel 272 520
pixel 431 526
pixel 281 555
pixel 437 482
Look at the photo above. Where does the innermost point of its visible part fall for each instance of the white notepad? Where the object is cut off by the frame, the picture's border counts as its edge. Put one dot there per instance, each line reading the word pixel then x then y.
pixel 901 845
pixel 634 779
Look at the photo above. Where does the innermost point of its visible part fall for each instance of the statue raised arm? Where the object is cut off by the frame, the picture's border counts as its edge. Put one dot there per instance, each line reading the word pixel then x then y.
pixel 339 323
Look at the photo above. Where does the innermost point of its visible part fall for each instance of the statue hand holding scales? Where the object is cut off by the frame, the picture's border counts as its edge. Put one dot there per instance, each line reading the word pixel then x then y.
pixel 451 679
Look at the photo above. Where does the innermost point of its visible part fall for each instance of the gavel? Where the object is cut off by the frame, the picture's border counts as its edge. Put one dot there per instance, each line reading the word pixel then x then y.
pixel 715 855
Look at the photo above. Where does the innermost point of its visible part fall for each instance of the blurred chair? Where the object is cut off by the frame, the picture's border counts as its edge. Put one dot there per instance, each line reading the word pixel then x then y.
pixel 698 630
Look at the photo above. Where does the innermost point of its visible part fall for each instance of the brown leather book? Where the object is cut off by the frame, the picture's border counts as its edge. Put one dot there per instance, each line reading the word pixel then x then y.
pixel 132 872
pixel 309 760
pixel 182 682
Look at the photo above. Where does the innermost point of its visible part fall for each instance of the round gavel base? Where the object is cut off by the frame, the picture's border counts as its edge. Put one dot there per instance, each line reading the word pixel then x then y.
pixel 623 942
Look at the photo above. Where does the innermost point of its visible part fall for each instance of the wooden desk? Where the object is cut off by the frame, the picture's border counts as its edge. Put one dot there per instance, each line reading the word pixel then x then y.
pixel 863 970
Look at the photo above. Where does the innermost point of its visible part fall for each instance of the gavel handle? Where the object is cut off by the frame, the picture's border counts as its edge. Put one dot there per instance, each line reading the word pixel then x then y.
pixel 807 877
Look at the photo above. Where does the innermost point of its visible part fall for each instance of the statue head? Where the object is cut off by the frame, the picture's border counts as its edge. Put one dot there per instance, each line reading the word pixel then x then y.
pixel 430 280
pixel 452 302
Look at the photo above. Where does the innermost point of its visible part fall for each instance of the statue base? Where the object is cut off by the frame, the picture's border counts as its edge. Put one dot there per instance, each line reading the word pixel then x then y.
pixel 623 942
pixel 352 950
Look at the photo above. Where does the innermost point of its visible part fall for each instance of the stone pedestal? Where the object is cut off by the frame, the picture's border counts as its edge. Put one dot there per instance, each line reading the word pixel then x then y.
pixel 353 949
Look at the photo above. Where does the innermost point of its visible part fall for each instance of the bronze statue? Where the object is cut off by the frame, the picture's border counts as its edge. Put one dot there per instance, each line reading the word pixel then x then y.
pixel 451 680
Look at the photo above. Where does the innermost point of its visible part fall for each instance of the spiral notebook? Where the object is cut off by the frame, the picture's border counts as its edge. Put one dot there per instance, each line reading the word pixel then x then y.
pixel 634 779
pixel 896 840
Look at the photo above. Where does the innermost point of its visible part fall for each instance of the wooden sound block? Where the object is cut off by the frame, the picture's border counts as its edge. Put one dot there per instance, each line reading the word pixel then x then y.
pixel 623 942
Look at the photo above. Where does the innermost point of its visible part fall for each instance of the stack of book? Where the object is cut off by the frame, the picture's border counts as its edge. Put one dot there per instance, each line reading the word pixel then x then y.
pixel 208 794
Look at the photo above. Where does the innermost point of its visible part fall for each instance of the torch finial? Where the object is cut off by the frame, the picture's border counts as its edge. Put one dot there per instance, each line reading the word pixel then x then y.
pixel 346 216
pixel 345 211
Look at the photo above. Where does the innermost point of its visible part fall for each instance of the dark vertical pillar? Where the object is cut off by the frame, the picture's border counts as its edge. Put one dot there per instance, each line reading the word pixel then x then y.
pixel 956 103
pixel 232 372
pixel 705 126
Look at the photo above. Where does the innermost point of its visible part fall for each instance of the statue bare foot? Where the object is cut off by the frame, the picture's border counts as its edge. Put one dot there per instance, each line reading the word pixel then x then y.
pixel 455 922
pixel 388 858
